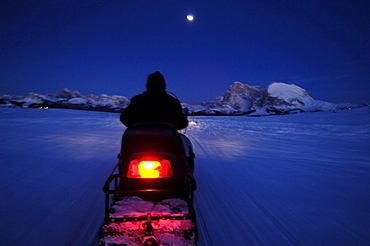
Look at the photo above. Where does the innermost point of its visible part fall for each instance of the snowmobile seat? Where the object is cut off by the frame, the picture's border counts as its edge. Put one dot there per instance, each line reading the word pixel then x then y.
pixel 151 137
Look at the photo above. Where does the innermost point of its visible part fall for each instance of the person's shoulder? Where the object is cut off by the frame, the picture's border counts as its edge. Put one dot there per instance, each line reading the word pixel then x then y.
pixel 171 96
pixel 172 99
pixel 137 97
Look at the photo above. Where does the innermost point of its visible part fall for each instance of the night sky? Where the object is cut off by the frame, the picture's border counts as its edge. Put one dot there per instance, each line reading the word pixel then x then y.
pixel 110 46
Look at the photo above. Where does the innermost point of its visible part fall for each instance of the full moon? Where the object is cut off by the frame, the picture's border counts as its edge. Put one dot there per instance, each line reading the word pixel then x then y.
pixel 190 17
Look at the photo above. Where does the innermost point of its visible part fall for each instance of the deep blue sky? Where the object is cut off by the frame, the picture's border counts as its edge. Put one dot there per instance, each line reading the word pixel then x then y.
pixel 110 46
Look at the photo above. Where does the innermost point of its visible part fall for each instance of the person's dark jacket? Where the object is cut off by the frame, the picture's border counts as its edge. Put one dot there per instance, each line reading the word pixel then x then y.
pixel 154 106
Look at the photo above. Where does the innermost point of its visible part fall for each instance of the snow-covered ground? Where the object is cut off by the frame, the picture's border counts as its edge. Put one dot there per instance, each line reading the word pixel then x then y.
pixel 300 179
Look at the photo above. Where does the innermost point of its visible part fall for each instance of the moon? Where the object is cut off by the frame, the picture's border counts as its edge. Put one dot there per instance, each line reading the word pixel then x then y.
pixel 190 17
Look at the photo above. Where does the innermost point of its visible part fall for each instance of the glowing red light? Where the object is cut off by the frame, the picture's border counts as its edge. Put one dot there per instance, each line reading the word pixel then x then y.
pixel 149 169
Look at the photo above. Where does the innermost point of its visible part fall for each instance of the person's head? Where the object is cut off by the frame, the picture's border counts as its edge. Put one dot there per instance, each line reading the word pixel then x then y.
pixel 156 82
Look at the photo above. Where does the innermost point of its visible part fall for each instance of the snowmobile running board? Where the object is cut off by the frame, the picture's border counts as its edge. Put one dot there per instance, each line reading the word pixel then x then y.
pixel 133 220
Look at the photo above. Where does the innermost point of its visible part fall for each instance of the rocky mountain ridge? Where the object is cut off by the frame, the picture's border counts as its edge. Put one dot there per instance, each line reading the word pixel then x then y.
pixel 240 99
pixel 66 98
pixel 279 98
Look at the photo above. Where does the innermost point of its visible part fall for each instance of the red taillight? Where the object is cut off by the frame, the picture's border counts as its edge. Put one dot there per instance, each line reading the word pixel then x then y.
pixel 149 169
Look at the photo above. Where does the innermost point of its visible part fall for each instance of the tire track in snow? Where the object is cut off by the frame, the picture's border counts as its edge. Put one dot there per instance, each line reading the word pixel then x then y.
pixel 203 231
pixel 274 220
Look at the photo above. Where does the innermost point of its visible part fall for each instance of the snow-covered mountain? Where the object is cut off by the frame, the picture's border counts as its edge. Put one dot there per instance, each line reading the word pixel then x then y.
pixel 279 98
pixel 240 99
pixel 66 98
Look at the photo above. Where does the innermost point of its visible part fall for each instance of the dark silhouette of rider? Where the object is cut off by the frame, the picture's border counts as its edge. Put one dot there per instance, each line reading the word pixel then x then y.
pixel 155 105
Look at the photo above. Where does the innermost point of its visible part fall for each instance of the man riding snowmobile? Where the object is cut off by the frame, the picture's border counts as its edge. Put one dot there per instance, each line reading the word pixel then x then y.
pixel 150 193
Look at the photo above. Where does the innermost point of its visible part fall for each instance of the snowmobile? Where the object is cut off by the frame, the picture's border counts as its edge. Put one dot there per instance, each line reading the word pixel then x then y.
pixel 150 192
